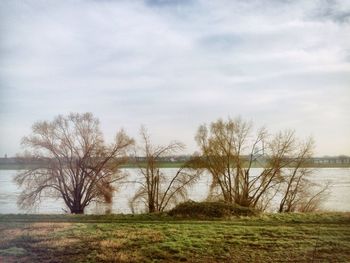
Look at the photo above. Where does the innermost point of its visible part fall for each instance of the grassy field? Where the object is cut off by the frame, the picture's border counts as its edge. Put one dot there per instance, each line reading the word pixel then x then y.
pixel 145 238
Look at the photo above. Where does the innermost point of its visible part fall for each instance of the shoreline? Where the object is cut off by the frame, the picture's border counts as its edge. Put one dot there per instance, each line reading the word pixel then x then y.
pixel 169 165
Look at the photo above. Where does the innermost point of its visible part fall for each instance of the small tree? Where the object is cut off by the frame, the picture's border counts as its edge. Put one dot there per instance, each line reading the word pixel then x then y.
pixel 295 181
pixel 158 189
pixel 298 192
pixel 79 166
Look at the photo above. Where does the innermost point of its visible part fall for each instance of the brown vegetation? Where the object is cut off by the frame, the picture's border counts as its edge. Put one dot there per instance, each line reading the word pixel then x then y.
pixel 228 149
pixel 80 166
pixel 280 237
pixel 159 190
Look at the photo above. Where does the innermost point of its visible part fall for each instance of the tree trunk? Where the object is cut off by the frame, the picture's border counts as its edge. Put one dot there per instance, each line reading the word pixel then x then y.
pixel 77 211
pixel 77 208
pixel 151 207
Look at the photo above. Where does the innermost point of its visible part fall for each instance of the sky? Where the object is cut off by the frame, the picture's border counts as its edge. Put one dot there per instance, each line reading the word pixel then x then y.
pixel 174 65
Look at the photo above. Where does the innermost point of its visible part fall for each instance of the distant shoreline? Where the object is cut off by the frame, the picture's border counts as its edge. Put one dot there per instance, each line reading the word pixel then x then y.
pixel 16 163
pixel 170 165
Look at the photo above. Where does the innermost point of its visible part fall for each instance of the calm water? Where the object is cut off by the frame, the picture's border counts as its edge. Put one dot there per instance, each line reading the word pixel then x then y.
pixel 338 199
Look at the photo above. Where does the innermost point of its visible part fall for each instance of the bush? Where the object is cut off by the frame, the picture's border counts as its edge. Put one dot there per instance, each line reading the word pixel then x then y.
pixel 193 209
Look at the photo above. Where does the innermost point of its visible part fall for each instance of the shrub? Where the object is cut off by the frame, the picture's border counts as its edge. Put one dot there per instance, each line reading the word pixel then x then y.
pixel 193 209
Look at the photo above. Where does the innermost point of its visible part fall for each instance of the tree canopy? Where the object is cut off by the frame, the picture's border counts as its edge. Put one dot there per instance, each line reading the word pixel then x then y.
pixel 229 149
pixel 79 166
pixel 160 189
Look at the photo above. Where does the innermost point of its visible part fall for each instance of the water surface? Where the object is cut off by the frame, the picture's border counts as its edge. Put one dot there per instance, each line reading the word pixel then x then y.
pixel 338 199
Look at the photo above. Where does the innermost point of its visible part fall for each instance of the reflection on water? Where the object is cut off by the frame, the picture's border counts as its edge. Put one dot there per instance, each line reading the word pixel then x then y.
pixel 338 200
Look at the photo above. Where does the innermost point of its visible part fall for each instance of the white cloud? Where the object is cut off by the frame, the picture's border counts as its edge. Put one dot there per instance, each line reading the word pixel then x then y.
pixel 173 65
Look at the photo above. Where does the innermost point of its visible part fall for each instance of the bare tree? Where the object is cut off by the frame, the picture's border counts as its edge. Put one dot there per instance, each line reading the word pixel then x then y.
pixel 230 149
pixel 223 146
pixel 295 179
pixel 311 197
pixel 158 189
pixel 298 192
pixel 79 166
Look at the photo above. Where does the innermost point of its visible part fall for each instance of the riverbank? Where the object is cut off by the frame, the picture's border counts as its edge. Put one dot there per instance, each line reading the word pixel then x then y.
pixel 17 166
pixel 158 238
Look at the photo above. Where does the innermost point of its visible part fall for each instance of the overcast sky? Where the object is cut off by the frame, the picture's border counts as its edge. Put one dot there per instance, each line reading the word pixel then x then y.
pixel 173 65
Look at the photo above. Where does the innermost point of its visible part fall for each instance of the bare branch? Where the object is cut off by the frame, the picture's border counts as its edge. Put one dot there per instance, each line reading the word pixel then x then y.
pixel 79 167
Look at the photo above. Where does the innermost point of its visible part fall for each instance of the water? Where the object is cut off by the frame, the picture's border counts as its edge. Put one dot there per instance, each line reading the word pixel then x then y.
pixel 338 199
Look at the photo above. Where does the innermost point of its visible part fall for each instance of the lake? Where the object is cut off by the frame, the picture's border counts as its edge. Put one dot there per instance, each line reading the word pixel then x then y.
pixel 338 199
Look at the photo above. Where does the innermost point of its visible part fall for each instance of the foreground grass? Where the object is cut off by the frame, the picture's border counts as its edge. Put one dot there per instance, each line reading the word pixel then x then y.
pixel 145 238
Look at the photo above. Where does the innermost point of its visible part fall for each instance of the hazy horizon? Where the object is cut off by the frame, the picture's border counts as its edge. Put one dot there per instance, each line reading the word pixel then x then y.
pixel 174 65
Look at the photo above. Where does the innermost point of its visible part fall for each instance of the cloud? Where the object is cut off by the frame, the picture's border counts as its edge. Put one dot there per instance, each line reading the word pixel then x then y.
pixel 336 11
pixel 173 65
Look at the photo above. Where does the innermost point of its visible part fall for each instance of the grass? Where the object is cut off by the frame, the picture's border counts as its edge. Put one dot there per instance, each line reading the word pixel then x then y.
pixel 160 238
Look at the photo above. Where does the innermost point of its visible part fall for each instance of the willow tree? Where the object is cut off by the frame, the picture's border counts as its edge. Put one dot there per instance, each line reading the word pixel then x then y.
pixel 229 149
pixel 297 191
pixel 159 189
pixel 78 166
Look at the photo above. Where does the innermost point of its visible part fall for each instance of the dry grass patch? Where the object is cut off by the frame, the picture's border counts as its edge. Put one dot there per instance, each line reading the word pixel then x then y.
pixel 150 235
pixel 32 242
pixel 7 235
pixel 44 228
pixel 57 243
pixel 124 244
pixel 119 257
pixel 113 244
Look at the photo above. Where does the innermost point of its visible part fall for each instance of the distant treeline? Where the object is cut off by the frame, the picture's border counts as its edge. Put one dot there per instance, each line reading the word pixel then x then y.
pixel 171 161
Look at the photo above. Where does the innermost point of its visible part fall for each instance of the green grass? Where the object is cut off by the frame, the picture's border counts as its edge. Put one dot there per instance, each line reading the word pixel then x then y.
pixel 160 238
